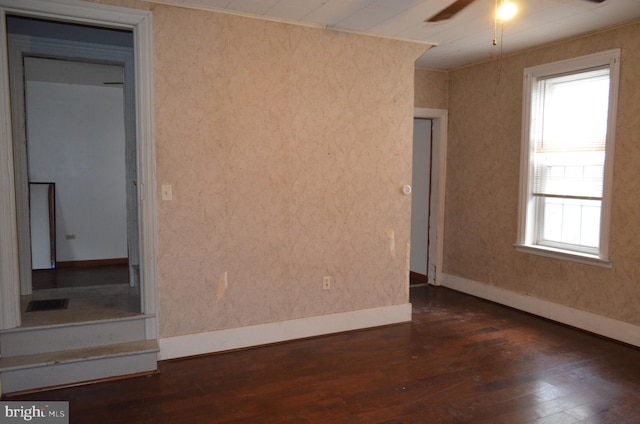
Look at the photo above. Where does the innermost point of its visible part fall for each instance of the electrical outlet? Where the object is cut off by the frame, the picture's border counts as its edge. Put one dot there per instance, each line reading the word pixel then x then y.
pixel 326 283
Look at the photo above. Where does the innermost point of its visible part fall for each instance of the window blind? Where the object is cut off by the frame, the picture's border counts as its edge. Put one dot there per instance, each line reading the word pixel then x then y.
pixel 570 135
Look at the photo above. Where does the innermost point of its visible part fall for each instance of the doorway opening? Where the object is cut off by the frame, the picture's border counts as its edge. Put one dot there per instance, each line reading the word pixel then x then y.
pixel 429 165
pixel 91 17
pixel 72 87
pixel 420 196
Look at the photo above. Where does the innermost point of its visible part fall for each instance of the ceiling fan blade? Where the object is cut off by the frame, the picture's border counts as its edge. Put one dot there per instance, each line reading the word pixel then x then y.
pixel 450 11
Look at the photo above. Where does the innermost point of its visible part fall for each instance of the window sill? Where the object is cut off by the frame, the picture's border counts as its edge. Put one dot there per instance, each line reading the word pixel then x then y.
pixel 566 255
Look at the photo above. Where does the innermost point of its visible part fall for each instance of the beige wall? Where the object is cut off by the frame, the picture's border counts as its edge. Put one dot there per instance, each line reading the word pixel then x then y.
pixel 485 107
pixel 287 148
pixel 431 89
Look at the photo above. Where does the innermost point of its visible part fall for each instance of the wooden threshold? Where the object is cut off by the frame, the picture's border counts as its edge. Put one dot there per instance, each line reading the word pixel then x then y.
pixel 92 263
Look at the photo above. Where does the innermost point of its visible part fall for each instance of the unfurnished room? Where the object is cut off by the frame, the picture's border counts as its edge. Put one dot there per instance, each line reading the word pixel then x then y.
pixel 319 211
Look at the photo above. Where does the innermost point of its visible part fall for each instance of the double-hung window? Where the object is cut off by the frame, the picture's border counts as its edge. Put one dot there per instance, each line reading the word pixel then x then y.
pixel 567 157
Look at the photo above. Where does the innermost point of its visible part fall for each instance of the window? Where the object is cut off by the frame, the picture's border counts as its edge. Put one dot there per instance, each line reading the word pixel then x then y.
pixel 567 157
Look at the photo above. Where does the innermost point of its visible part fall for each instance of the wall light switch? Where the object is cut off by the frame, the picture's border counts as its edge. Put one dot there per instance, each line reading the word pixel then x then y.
pixel 167 193
pixel 326 283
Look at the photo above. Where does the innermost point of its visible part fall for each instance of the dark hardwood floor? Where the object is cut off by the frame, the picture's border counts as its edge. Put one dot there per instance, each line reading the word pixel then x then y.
pixel 80 276
pixel 461 360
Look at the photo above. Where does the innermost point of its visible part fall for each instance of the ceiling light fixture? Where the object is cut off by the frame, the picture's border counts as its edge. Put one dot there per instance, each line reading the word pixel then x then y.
pixel 506 10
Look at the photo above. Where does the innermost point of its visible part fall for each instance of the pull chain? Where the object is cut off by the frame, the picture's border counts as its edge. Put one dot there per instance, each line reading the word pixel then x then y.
pixel 495 24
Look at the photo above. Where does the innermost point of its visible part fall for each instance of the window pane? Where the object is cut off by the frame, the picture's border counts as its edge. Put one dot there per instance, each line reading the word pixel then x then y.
pixel 591 225
pixel 552 224
pixel 571 221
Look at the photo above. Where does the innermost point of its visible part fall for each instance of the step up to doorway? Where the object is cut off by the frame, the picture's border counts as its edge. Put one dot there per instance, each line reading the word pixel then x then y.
pixel 53 338
pixel 35 357
pixel 27 372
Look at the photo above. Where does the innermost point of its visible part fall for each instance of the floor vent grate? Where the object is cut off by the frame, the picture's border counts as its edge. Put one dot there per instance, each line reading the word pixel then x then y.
pixel 47 305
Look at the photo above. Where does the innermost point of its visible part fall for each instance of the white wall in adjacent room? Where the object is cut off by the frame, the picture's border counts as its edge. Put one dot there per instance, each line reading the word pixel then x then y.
pixel 76 139
pixel 421 177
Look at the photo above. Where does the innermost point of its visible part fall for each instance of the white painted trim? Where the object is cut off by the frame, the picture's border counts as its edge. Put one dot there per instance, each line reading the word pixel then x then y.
pixel 440 122
pixel 77 11
pixel 16 46
pixel 593 323
pixel 549 252
pixel 143 42
pixel 9 271
pixel 139 21
pixel 261 334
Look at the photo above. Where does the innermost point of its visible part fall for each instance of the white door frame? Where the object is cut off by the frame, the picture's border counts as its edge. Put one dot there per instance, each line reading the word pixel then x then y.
pixel 139 22
pixel 439 118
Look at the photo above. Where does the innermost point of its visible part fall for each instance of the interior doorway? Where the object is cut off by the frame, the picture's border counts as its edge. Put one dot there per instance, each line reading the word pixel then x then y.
pixel 73 118
pixel 420 201
pixel 76 147
pixel 134 21
pixel 436 126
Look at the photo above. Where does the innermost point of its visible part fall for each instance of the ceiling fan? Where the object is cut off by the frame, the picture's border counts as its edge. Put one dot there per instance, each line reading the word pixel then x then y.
pixel 455 7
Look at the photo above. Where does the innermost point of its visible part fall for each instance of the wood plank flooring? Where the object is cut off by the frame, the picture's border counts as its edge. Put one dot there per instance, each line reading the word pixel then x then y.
pixel 461 360
pixel 80 276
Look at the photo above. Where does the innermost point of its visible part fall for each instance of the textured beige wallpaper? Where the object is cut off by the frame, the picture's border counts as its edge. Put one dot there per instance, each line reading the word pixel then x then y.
pixel 287 148
pixel 482 184
pixel 431 89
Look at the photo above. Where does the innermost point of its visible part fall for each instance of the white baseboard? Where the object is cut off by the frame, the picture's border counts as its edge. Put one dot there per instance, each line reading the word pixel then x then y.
pixel 256 335
pixel 597 324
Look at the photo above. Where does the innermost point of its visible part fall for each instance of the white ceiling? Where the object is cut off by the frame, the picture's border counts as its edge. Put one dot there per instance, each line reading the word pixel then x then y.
pixel 466 38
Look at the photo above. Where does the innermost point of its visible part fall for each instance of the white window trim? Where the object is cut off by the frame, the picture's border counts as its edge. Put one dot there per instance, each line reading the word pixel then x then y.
pixel 525 230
